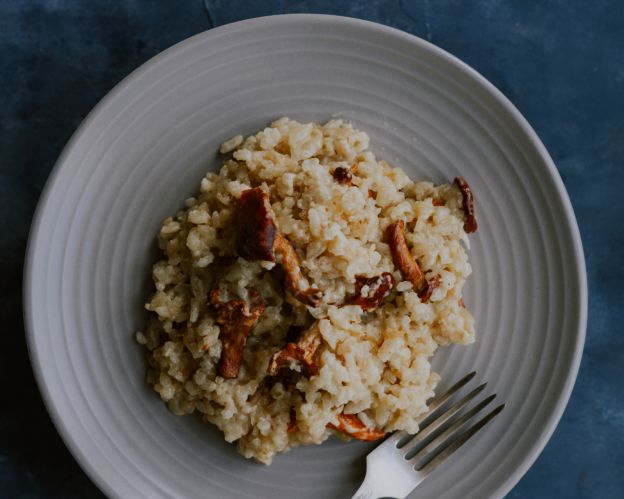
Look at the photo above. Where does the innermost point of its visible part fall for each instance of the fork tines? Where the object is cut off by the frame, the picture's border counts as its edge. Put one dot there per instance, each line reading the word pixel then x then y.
pixel 431 452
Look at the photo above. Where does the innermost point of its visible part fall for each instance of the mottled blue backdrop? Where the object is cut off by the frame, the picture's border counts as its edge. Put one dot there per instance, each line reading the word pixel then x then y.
pixel 560 62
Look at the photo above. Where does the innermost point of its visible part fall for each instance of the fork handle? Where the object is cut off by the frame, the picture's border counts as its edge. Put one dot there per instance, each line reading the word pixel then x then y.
pixel 371 488
pixel 366 492
pixel 385 479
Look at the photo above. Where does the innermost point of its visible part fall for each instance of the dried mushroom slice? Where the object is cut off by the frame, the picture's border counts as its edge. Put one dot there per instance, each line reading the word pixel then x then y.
pixel 295 281
pixel 351 425
pixel 236 318
pixel 402 257
pixel 430 287
pixel 259 239
pixel 370 291
pixel 258 230
pixel 470 216
pixel 299 356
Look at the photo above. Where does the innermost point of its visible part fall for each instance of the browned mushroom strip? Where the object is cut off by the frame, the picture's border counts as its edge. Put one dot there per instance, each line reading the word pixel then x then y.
pixel 259 239
pixel 369 291
pixel 430 287
pixel 258 230
pixel 299 355
pixel 351 425
pixel 402 257
pixel 342 175
pixel 288 357
pixel 236 318
pixel 470 220
pixel 309 342
pixel 295 282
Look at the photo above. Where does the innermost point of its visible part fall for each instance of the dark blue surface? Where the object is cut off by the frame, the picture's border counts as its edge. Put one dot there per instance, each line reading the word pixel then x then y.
pixel 560 62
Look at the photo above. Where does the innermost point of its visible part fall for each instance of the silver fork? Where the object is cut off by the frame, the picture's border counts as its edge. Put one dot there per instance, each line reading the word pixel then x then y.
pixel 402 462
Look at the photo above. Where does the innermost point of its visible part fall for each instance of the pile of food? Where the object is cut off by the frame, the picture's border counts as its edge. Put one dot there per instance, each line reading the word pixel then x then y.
pixel 303 291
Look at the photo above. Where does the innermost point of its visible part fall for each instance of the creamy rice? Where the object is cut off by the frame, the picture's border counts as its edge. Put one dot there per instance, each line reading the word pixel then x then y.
pixel 372 364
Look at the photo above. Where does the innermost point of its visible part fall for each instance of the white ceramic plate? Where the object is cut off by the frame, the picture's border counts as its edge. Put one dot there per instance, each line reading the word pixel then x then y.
pixel 144 149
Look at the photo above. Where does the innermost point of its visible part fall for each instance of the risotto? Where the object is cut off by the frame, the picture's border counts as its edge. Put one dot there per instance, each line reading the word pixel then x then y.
pixel 303 291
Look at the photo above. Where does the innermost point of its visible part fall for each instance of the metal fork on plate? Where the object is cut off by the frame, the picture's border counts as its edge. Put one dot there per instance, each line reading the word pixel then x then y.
pixel 402 462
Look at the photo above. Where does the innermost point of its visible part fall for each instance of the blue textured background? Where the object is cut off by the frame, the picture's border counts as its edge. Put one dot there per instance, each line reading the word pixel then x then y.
pixel 560 62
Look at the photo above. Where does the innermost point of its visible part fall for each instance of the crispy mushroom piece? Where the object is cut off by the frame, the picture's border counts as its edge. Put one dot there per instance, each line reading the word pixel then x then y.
pixel 298 356
pixel 470 220
pixel 295 281
pixel 236 318
pixel 259 239
pixel 342 175
pixel 288 357
pixel 258 229
pixel 430 287
pixel 352 426
pixel 402 257
pixel 370 291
